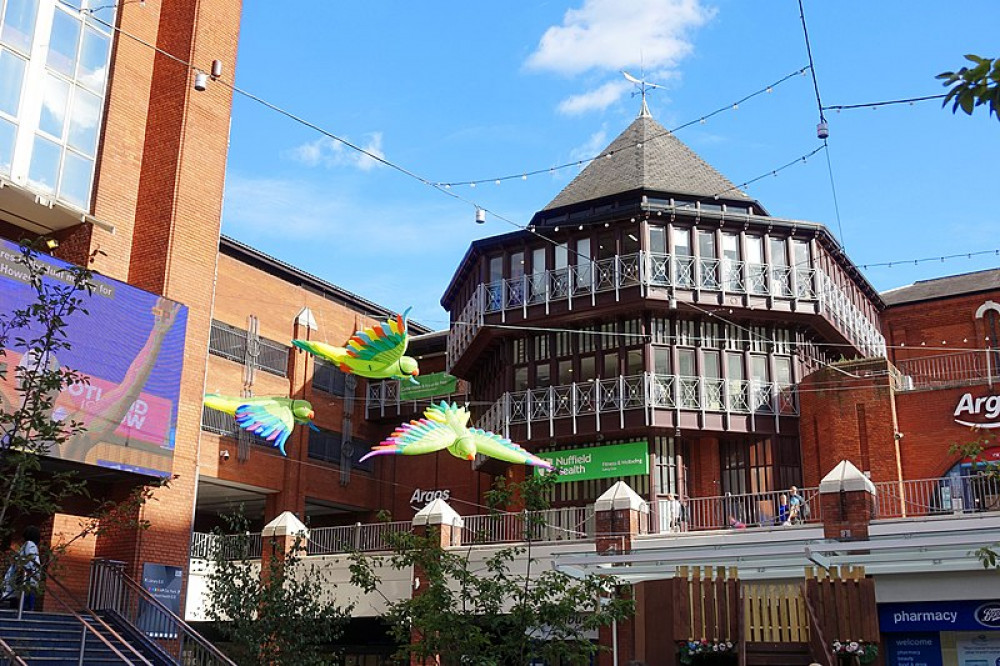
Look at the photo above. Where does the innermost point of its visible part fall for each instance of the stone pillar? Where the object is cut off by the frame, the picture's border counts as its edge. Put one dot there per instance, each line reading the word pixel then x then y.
pixel 847 500
pixel 280 537
pixel 439 521
pixel 620 515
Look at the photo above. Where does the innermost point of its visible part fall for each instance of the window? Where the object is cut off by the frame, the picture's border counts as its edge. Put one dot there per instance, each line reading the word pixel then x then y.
pixel 756 271
pixel 53 73
pixel 683 261
pixel 328 377
pixel 731 274
pixel 657 240
pixel 231 342
pixel 325 445
pixel 584 267
pixel 661 360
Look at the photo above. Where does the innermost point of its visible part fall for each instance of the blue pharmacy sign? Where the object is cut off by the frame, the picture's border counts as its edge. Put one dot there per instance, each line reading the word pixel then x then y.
pixel 934 616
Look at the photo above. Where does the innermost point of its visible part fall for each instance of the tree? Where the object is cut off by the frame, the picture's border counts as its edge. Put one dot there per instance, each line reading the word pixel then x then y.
pixel 496 610
pixel 974 86
pixel 283 614
pixel 986 472
pixel 30 427
pixel 28 430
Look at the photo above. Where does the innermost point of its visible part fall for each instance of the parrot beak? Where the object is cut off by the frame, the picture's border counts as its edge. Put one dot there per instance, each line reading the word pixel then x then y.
pixel 312 415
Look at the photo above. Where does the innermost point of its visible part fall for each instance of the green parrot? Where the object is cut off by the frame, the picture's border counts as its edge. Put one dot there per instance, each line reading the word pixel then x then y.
pixel 446 426
pixel 376 352
pixel 271 418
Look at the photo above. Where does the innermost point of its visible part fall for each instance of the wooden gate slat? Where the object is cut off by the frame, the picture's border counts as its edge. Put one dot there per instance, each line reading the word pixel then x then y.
pixel 711 593
pixel 682 605
pixel 697 599
pixel 733 621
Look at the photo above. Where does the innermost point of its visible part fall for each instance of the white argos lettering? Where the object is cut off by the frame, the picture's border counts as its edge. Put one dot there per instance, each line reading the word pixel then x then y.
pixel 985 407
pixel 421 497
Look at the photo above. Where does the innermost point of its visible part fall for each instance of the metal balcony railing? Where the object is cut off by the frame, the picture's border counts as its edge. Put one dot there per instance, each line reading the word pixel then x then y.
pixel 945 495
pixel 580 284
pixel 360 536
pixel 233 547
pixel 954 369
pixel 611 398
pixel 564 524
pixel 736 511
pixel 384 398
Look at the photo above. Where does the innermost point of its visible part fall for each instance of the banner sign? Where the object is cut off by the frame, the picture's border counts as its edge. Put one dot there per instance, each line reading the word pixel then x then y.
pixel 431 386
pixel 130 346
pixel 600 462
pixel 965 615
pixel 164 583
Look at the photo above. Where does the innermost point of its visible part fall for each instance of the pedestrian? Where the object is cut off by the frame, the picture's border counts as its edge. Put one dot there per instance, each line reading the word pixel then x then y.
pixel 795 505
pixel 673 513
pixel 783 509
pixel 23 575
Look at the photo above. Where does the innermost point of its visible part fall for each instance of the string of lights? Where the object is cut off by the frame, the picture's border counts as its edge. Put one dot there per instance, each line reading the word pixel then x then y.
pixel 941 258
pixel 524 175
pixel 874 105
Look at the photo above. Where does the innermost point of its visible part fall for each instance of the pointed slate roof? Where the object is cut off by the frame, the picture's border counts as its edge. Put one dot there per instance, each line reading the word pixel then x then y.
pixel 646 156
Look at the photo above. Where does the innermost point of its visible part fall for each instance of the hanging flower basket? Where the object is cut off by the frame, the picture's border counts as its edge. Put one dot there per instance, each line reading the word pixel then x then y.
pixel 692 651
pixel 863 651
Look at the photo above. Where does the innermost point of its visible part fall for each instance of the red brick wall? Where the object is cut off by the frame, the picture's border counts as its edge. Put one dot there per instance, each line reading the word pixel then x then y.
pixel 943 325
pixel 848 418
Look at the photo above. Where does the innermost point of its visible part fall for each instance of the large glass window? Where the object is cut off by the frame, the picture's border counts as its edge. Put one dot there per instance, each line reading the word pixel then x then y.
pixel 54 61
pixel 756 270
pixel 683 261
pixel 658 240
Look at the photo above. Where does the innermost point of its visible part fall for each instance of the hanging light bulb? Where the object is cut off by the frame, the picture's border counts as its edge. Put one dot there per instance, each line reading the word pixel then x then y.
pixel 480 215
pixel 769 89
pixel 497 181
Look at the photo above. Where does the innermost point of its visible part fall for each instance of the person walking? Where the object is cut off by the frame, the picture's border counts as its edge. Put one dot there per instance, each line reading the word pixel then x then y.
pixel 24 573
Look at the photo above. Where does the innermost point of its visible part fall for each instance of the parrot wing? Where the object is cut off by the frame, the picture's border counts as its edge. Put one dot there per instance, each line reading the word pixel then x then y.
pixel 223 403
pixel 268 419
pixel 322 350
pixel 493 445
pixel 415 438
pixel 383 343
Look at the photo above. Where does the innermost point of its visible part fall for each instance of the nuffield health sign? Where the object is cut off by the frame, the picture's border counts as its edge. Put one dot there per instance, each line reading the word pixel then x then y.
pixel 600 462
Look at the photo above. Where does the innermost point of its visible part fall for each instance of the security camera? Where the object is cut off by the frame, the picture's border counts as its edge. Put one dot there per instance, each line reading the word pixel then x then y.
pixel 898 436
pixel 224 455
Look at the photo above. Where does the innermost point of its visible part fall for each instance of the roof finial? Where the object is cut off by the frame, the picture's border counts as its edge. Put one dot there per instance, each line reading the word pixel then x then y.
pixel 642 85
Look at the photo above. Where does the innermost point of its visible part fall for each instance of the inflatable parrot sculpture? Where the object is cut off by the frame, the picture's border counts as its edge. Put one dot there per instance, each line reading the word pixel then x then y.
pixel 445 426
pixel 376 352
pixel 270 418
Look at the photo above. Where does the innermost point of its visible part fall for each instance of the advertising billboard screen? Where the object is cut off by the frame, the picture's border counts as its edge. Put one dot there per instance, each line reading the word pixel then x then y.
pixel 129 344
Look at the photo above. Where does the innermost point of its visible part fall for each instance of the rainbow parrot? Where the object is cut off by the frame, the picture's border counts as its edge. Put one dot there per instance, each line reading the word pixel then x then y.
pixel 445 426
pixel 270 418
pixel 375 352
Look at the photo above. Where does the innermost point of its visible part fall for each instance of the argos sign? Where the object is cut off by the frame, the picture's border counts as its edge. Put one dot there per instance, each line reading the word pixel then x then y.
pixel 981 412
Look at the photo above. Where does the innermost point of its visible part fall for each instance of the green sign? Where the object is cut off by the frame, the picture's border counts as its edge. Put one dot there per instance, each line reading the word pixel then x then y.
pixel 600 462
pixel 432 385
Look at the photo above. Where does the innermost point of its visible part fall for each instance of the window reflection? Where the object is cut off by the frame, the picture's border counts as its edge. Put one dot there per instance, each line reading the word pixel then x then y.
pixel 19 24
pixel 74 187
pixel 11 76
pixel 44 165
pixel 84 121
pixel 63 43
pixel 54 102
pixel 7 134
pixel 93 65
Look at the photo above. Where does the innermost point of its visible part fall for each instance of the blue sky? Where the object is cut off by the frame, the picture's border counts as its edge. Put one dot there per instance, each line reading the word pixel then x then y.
pixel 467 90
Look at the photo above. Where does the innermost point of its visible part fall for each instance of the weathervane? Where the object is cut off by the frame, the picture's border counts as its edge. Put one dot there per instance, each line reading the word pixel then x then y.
pixel 643 85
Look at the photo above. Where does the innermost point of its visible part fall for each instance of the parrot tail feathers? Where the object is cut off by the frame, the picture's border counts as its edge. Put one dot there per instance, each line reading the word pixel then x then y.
pixel 380 450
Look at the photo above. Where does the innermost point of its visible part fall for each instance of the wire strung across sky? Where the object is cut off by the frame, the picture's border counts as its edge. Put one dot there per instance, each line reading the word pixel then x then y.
pixel 523 175
pixel 873 105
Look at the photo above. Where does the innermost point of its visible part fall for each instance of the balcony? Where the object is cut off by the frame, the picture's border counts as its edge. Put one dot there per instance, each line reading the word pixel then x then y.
pixel 383 399
pixel 577 286
pixel 945 370
pixel 606 399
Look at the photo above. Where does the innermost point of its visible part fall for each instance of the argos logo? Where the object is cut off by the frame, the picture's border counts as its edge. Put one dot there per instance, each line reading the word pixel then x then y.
pixel 421 498
pixel 988 615
pixel 981 412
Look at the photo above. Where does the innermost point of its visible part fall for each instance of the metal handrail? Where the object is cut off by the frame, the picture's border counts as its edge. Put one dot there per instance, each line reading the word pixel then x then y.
pixel 49 578
pixel 116 570
pixel 9 656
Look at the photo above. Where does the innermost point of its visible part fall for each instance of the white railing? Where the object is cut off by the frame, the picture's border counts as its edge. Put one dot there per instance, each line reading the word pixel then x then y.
pixel 946 495
pixel 581 284
pixel 736 511
pixel 615 396
pixel 565 524
pixel 966 367
pixel 233 547
pixel 360 536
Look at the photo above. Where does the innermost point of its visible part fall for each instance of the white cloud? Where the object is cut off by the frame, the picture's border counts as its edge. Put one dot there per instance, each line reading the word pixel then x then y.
pixel 328 153
pixel 594 100
pixel 610 35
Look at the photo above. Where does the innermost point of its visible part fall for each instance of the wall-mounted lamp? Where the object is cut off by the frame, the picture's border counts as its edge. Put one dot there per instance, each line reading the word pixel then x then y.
pixel 51 243
pixel 216 69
